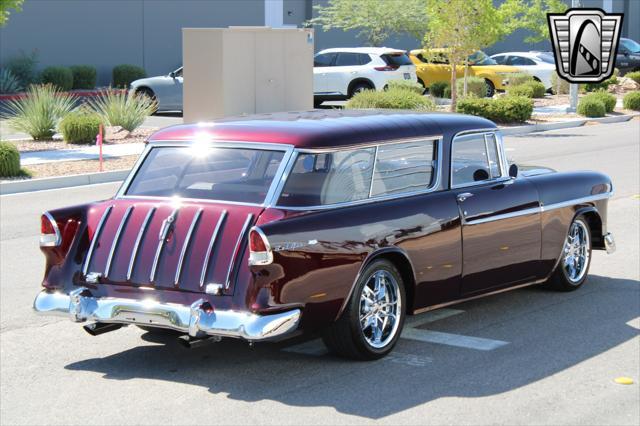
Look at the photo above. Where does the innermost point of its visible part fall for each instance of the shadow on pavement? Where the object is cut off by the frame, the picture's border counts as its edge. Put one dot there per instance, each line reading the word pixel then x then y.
pixel 548 332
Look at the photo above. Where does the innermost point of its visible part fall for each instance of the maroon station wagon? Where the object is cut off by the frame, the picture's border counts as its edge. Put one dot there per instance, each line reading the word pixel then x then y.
pixel 342 223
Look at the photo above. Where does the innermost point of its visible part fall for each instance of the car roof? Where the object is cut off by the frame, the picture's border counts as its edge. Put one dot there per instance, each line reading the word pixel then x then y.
pixel 368 50
pixel 526 54
pixel 323 128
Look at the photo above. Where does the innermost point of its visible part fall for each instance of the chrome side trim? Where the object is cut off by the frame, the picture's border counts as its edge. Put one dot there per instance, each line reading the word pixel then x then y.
pixel 185 246
pixel 609 243
pixel 194 319
pixel 116 239
pixel 575 201
pixel 96 236
pixel 434 187
pixel 58 237
pixel 273 193
pixel 525 212
pixel 167 224
pixel 234 257
pixel 212 243
pixel 373 171
pixel 136 245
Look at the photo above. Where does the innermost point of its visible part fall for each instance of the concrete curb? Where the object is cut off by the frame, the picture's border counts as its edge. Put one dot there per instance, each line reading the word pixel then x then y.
pixel 541 127
pixel 14 187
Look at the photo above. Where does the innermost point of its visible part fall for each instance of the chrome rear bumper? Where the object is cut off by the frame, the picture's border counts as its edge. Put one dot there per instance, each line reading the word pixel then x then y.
pixel 609 243
pixel 197 320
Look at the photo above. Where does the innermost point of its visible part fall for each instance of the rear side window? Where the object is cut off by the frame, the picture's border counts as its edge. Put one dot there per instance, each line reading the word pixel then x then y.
pixel 404 167
pixel 474 158
pixel 323 59
pixel 225 174
pixel 329 178
pixel 520 60
pixel 501 59
pixel 351 59
pixel 397 59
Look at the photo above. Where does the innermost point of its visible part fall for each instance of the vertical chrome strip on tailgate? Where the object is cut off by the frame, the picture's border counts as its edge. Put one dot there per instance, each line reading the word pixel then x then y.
pixel 212 243
pixel 141 233
pixel 96 236
pixel 187 240
pixel 164 232
pixel 235 255
pixel 116 239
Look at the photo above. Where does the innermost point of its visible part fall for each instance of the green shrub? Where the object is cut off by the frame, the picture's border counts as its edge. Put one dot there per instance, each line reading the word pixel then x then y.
pixel 538 89
pixel 590 107
pixel 411 86
pixel 9 160
pixel 476 86
pixel 603 85
pixel 505 109
pixel 61 77
pixel 84 76
pixel 631 101
pixel 23 67
pixel 123 75
pixel 518 78
pixel 39 112
pixel 391 99
pixel 80 126
pixel 635 76
pixel 117 108
pixel 559 86
pixel 520 90
pixel 437 88
pixel 8 82
pixel 447 92
pixel 607 99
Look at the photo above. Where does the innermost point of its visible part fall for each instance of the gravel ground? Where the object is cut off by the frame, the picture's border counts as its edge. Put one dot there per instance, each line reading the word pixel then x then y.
pixel 77 167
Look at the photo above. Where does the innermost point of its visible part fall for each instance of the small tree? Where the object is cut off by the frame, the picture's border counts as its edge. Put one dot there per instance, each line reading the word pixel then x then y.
pixel 531 15
pixel 375 19
pixel 5 5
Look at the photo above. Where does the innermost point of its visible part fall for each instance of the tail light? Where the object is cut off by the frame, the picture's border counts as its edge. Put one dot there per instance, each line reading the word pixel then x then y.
pixel 260 252
pixel 49 231
pixel 387 68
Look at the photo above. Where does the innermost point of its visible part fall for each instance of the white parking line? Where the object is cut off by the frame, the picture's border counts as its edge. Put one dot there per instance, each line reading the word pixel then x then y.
pixel 450 339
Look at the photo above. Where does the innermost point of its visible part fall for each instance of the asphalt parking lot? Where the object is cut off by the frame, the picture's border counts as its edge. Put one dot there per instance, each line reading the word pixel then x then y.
pixel 525 357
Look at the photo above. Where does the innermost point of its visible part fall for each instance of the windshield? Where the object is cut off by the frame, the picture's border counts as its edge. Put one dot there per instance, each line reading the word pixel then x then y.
pixel 630 45
pixel 210 173
pixel 481 58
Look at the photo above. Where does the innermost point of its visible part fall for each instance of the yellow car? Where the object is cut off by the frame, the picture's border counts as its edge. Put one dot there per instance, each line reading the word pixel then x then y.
pixel 434 67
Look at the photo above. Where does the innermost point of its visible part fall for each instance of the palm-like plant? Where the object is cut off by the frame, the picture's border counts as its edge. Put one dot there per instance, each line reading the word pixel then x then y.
pixel 117 108
pixel 9 83
pixel 40 111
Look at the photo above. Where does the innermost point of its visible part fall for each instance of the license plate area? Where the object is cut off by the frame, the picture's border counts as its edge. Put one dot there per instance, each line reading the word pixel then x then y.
pixel 407 76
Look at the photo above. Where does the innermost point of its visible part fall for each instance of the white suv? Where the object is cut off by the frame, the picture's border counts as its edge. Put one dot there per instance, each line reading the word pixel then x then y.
pixel 341 72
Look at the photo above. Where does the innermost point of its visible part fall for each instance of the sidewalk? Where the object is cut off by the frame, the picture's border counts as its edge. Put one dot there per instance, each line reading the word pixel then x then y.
pixel 90 152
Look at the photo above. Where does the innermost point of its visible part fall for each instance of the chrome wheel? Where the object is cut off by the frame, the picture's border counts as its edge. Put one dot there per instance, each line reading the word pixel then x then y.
pixel 380 308
pixel 576 252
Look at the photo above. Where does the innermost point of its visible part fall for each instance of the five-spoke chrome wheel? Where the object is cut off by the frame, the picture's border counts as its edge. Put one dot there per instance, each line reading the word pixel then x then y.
pixel 576 252
pixel 379 307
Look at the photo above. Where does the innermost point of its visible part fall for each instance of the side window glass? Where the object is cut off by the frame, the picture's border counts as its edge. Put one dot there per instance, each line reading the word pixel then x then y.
pixel 499 59
pixel 474 158
pixel 364 58
pixel 323 60
pixel 347 59
pixel 404 167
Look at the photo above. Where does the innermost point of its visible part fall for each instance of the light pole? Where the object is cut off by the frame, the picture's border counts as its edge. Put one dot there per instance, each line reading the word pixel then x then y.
pixel 573 88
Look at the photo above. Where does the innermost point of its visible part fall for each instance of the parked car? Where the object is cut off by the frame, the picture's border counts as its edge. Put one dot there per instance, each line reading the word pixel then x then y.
pixel 628 57
pixel 434 66
pixel 539 64
pixel 339 221
pixel 340 73
pixel 165 89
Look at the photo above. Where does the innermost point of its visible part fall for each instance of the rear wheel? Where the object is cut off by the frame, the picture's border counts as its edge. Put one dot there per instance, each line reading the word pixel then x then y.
pixel 359 87
pixel 144 91
pixel 491 89
pixel 371 324
pixel 575 258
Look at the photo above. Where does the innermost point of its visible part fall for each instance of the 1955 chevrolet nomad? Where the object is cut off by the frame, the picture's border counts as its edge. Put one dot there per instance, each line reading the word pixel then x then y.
pixel 339 222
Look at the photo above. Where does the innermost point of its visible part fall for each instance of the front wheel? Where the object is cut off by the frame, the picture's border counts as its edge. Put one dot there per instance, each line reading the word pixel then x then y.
pixel 359 87
pixel 372 321
pixel 491 89
pixel 575 258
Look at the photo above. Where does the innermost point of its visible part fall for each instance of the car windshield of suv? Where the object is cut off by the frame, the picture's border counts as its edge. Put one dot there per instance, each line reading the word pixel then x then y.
pixel 481 58
pixel 630 45
pixel 211 173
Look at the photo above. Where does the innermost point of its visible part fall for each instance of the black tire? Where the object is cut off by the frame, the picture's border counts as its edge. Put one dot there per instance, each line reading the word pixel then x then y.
pixel 359 87
pixel 561 279
pixel 346 336
pixel 491 89
pixel 145 91
pixel 420 82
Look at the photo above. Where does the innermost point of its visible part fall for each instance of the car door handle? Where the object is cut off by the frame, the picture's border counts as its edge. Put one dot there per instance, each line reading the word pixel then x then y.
pixel 463 196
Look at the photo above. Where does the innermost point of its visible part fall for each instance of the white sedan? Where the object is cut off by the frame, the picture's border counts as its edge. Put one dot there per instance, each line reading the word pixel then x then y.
pixel 540 65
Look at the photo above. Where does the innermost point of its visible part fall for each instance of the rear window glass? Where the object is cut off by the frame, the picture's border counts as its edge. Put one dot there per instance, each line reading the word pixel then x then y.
pixel 398 59
pixel 211 173
pixel 403 167
pixel 329 178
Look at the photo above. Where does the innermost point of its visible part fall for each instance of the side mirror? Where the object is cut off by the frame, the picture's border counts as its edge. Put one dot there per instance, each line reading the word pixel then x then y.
pixel 480 175
pixel 172 74
pixel 513 171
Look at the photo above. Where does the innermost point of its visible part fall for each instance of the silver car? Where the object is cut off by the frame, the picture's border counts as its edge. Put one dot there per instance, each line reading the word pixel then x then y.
pixel 165 89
